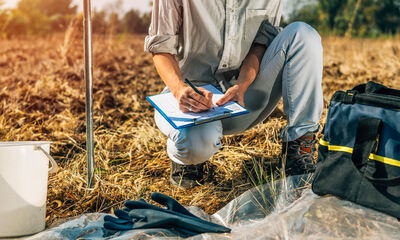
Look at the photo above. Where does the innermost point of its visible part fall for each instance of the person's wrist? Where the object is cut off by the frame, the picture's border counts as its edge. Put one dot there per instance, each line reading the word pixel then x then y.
pixel 178 89
pixel 241 88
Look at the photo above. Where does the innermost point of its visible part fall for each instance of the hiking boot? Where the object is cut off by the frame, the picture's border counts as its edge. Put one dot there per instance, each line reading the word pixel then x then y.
pixel 299 155
pixel 186 176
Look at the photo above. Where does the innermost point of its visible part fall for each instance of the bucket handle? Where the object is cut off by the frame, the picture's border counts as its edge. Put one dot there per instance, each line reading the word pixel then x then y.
pixel 54 166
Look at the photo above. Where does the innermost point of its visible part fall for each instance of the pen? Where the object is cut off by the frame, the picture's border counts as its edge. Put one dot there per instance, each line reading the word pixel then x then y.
pixel 193 87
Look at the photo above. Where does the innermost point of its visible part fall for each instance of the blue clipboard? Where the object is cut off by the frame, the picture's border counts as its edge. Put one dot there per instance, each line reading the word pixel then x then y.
pixel 167 106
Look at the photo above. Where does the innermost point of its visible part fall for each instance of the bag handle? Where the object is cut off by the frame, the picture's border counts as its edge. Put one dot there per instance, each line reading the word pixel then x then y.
pixel 368 131
pixel 373 87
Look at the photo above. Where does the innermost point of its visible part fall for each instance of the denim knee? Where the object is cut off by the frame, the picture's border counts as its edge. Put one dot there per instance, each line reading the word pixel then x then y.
pixel 305 33
pixel 307 43
pixel 195 145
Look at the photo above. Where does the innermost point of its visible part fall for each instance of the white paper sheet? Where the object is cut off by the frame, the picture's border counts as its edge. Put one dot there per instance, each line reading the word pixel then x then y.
pixel 168 106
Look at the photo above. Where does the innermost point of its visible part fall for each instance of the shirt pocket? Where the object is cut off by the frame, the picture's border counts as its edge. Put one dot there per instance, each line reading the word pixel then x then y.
pixel 254 18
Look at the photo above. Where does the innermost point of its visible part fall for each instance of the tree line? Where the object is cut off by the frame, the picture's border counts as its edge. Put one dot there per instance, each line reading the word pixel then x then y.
pixel 363 18
pixel 43 17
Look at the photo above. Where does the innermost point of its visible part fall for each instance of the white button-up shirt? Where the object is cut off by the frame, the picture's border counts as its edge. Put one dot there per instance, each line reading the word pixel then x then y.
pixel 211 37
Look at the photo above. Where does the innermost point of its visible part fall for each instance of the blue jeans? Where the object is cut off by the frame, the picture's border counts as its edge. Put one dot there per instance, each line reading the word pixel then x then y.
pixel 291 68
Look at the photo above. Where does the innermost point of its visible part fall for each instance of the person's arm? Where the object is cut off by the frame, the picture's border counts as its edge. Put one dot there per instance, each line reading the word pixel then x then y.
pixel 168 69
pixel 162 42
pixel 248 72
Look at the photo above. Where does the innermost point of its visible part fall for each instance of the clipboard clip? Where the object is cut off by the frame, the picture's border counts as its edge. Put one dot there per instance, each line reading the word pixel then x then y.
pixel 217 116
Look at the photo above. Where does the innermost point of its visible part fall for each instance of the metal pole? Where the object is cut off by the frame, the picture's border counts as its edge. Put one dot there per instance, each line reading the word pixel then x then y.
pixel 87 6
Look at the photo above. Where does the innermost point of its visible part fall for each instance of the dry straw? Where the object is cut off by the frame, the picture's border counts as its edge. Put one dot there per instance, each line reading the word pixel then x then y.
pixel 42 98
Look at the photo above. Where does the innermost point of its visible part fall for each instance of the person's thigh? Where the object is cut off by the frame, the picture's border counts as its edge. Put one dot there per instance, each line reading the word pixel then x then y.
pixel 295 45
pixel 263 94
pixel 192 145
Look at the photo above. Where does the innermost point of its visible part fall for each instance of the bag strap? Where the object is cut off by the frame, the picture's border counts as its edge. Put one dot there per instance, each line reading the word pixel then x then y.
pixel 368 131
pixel 372 87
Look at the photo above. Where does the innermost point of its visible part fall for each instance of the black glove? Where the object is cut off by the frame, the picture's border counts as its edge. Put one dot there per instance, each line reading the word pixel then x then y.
pixel 142 215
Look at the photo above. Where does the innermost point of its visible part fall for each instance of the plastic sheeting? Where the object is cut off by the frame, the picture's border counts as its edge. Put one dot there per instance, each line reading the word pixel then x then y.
pixel 279 210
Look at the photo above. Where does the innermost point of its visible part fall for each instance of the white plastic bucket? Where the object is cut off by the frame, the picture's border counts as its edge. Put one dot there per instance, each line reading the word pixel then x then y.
pixel 24 168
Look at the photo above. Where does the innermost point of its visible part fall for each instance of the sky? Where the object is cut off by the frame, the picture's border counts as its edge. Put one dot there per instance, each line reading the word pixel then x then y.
pixel 141 5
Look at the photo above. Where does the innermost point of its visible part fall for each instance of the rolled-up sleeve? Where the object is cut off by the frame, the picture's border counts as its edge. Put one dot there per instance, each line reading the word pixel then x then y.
pixel 266 33
pixel 270 28
pixel 164 28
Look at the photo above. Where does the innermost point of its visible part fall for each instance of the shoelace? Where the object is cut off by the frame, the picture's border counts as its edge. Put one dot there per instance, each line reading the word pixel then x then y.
pixel 306 159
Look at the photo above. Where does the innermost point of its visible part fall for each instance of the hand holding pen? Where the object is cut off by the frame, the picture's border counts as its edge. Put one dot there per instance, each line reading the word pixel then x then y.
pixel 193 99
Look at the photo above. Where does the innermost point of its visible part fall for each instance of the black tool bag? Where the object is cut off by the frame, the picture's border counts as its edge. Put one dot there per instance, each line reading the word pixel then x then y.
pixel 359 155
